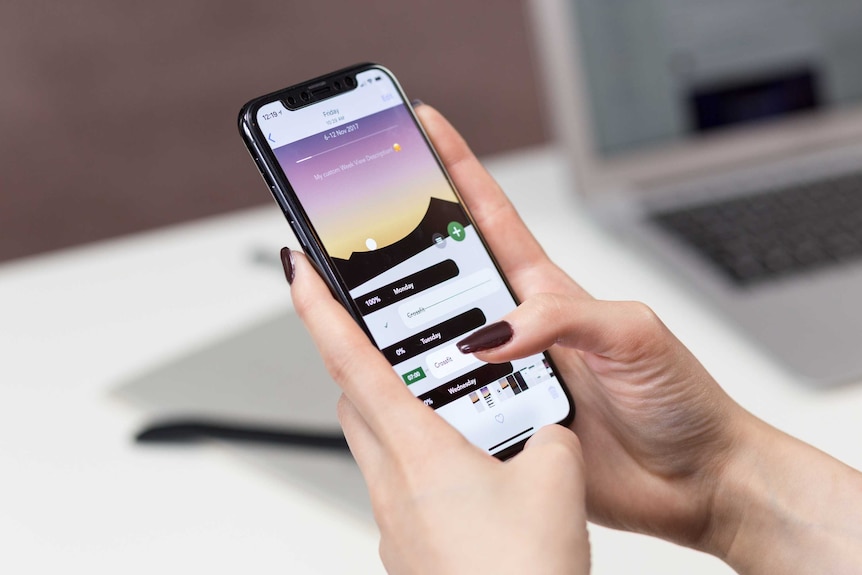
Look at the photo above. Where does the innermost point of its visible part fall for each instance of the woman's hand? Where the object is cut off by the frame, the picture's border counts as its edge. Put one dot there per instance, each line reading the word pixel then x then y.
pixel 657 430
pixel 443 505
pixel 654 426
pixel 666 451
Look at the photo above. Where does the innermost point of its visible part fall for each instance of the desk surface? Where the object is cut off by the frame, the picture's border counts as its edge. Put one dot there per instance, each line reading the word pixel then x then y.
pixel 78 494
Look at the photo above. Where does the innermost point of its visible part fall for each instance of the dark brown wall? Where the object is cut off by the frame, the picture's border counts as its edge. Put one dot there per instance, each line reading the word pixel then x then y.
pixel 120 116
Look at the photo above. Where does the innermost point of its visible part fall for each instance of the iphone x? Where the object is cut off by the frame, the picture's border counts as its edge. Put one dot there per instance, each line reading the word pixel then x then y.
pixel 371 203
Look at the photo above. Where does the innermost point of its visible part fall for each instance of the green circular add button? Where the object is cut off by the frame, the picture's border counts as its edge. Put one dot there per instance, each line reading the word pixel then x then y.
pixel 456 231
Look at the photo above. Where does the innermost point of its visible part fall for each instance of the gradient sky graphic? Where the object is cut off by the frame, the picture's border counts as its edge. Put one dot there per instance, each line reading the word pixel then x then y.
pixel 383 199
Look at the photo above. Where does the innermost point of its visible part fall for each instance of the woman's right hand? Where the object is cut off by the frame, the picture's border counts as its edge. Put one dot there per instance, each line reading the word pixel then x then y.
pixel 666 451
pixel 655 427
pixel 657 430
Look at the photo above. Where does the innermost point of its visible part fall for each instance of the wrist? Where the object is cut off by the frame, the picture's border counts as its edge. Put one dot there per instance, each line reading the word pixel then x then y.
pixel 782 506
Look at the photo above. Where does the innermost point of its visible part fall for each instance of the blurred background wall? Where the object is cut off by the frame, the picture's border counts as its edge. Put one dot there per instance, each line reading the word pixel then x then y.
pixel 119 116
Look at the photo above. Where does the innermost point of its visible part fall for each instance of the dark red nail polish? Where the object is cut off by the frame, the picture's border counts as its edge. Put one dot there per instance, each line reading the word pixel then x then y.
pixel 287 262
pixel 488 337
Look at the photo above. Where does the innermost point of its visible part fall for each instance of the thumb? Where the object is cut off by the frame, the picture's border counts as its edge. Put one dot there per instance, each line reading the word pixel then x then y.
pixel 554 459
pixel 555 447
pixel 555 437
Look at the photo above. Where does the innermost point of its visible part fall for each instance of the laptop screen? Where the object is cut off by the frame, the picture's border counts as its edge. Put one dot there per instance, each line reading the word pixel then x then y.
pixel 664 70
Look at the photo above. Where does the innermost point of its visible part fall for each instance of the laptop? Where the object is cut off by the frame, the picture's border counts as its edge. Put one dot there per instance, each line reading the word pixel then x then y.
pixel 725 137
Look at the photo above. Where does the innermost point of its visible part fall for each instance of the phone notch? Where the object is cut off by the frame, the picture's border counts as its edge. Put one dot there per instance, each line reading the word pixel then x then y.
pixel 318 90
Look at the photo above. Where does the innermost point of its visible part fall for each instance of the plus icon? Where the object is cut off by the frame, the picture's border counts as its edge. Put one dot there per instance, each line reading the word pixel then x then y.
pixel 456 231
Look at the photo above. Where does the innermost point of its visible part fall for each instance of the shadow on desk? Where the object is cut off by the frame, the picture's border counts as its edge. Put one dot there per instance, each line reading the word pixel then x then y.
pixel 268 376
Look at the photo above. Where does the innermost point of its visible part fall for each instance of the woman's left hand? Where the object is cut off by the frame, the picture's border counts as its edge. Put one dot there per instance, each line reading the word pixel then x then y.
pixel 442 504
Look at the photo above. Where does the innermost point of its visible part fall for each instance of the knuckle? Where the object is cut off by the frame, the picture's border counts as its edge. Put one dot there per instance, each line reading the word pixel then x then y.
pixel 384 512
pixel 545 304
pixel 550 311
pixel 547 308
pixel 339 366
pixel 343 410
pixel 644 322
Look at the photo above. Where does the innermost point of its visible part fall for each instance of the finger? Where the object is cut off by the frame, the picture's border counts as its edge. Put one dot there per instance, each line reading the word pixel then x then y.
pixel 622 331
pixel 522 259
pixel 381 398
pixel 553 435
pixel 557 449
pixel 364 445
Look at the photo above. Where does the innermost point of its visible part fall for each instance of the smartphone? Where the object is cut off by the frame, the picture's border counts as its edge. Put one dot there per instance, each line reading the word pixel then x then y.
pixel 371 204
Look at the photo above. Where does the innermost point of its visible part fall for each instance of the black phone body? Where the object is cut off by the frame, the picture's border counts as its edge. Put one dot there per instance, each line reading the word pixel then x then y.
pixel 368 198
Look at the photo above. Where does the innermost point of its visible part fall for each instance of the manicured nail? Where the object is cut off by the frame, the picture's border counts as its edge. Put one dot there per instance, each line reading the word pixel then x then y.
pixel 416 102
pixel 287 262
pixel 488 337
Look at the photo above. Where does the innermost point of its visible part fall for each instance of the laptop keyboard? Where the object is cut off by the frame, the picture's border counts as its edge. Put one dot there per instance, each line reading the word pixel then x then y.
pixel 776 233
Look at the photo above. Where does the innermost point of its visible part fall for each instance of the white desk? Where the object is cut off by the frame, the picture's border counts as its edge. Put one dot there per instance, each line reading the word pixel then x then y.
pixel 77 495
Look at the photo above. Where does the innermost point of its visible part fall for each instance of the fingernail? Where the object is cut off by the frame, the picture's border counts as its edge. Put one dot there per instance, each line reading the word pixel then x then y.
pixel 287 262
pixel 416 102
pixel 488 337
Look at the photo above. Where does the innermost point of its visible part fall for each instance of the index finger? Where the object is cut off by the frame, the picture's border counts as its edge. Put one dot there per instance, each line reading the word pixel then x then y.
pixel 521 257
pixel 391 411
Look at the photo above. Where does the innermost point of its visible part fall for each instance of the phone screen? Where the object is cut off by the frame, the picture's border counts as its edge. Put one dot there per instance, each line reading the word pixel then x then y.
pixel 403 247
